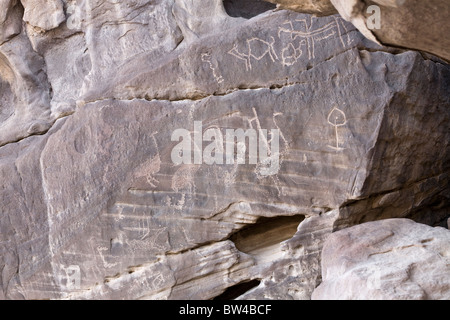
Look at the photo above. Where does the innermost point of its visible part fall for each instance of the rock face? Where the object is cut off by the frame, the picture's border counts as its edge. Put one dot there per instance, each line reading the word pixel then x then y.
pixel 393 259
pixel 169 150
pixel 413 24
pixel 317 7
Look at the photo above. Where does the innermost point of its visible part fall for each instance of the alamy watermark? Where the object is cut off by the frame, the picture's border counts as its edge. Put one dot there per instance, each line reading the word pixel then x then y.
pixel 374 20
pixel 70 278
pixel 228 147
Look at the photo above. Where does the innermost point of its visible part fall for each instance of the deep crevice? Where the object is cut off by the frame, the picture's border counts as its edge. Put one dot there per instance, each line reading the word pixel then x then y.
pixel 247 8
pixel 238 290
pixel 263 238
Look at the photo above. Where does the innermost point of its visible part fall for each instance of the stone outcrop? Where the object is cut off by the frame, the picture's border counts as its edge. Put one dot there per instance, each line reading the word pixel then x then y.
pixel 101 199
pixel 317 7
pixel 413 24
pixel 394 259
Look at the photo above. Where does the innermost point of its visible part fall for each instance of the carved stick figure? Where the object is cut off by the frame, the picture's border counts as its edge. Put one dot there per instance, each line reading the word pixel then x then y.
pixel 337 118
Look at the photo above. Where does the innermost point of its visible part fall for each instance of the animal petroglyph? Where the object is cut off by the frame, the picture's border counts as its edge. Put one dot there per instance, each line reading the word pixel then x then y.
pixel 298 40
pixel 273 154
pixel 256 49
pixel 292 53
pixel 148 239
pixel 151 167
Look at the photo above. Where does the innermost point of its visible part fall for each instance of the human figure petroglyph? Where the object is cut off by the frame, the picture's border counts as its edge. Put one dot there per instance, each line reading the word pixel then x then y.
pixel 298 41
pixel 274 117
pixel 308 35
pixel 273 155
pixel 337 118
pixel 303 30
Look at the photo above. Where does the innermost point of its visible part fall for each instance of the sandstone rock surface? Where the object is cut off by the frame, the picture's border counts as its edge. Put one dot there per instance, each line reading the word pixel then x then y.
pixel 394 259
pixel 413 24
pixel 317 7
pixel 95 201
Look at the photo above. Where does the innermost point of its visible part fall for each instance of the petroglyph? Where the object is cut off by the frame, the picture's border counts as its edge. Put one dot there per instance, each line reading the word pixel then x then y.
pixel 148 169
pixel 256 49
pixel 337 118
pixel 343 32
pixel 149 240
pixel 106 264
pixel 157 281
pixel 307 34
pixel 187 236
pixel 120 214
pixel 269 150
pixel 298 40
pixel 151 167
pixel 291 53
pixel 181 202
pixel 206 57
pixel 183 179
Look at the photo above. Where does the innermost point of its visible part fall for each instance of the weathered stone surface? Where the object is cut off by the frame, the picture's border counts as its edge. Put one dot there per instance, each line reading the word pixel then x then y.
pixel 416 25
pixel 426 201
pixel 45 15
pixel 403 23
pixel 27 111
pixel 317 7
pixel 412 24
pixel 389 259
pixel 96 208
pixel 200 19
pixel 10 20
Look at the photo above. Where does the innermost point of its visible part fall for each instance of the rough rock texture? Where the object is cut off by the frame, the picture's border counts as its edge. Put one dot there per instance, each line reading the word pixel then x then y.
pixel 413 24
pixel 247 8
pixel 26 110
pixel 390 259
pixel 93 205
pixel 318 7
pixel 45 15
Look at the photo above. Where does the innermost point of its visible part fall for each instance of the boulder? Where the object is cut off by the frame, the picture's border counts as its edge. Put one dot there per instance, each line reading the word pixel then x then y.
pixel 413 24
pixel 394 259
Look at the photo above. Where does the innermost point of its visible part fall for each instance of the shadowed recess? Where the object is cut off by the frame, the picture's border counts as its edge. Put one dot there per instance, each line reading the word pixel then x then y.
pixel 247 8
pixel 238 290
pixel 265 236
